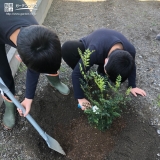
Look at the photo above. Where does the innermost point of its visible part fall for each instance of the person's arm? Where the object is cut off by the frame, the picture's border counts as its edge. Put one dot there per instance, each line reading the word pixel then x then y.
pixel 77 77
pixel 132 83
pixel 31 83
pixel 76 81
pixel 132 78
pixel 78 92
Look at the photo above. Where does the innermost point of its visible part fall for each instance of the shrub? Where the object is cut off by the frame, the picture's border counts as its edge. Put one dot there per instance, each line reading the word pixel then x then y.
pixel 106 99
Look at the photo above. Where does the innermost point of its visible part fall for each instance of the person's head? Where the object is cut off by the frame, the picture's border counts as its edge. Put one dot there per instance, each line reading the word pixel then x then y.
pixel 121 63
pixel 39 49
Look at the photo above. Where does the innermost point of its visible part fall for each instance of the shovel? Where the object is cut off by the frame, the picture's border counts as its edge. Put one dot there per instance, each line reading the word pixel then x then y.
pixel 52 143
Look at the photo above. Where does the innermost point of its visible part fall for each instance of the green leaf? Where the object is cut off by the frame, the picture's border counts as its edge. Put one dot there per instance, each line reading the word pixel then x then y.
pixel 116 114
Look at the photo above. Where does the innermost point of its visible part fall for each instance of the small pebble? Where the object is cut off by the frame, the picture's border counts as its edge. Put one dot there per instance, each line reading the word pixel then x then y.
pixel 20 93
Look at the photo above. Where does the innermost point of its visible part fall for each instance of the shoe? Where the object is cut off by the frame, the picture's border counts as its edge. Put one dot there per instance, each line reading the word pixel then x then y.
pixel 9 115
pixel 57 84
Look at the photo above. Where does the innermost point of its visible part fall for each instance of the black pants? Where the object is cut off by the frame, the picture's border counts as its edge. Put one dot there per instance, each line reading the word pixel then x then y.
pixel 71 55
pixel 5 70
pixel 70 52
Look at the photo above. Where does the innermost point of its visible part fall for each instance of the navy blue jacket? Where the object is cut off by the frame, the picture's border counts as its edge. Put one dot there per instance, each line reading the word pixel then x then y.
pixel 11 21
pixel 101 41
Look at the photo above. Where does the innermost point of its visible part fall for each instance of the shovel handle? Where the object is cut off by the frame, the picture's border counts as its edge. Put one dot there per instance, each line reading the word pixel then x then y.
pixel 29 117
pixel 18 105
pixel 52 143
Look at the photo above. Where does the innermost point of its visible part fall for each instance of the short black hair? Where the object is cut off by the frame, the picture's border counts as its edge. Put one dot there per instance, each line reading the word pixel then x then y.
pixel 121 63
pixel 39 48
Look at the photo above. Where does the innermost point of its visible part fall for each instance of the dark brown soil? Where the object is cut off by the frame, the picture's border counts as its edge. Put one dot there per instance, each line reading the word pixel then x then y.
pixel 129 138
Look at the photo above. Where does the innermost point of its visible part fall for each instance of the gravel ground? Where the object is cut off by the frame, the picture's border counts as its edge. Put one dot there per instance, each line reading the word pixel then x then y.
pixel 138 21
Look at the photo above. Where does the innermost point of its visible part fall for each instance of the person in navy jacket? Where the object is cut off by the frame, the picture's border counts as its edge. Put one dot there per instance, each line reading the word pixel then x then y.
pixel 113 54
pixel 38 47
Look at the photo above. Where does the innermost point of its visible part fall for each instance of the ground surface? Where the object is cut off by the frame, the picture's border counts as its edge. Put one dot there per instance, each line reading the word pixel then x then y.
pixel 133 136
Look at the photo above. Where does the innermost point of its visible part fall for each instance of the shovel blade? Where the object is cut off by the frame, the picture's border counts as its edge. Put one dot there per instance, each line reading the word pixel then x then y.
pixel 53 144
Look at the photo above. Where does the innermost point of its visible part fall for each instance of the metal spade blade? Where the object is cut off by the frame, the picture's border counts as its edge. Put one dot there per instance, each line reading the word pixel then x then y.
pixel 52 143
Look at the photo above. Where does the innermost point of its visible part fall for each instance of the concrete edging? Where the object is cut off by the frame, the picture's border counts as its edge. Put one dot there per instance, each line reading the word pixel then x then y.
pixel 40 14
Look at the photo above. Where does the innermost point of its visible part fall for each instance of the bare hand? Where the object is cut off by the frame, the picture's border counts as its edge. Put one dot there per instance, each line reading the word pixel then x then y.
pixel 27 105
pixel 84 103
pixel 139 91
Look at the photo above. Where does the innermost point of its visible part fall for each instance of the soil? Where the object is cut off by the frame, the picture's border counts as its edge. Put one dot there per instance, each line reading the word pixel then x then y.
pixel 133 136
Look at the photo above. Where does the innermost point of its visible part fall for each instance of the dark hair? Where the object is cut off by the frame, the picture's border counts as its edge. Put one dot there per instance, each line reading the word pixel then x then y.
pixel 120 63
pixel 39 49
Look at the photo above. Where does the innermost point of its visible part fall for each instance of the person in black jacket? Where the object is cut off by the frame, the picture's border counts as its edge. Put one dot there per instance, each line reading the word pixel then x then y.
pixel 38 47
pixel 113 54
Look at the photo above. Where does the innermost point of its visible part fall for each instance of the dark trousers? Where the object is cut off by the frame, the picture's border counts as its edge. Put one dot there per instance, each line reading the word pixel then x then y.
pixel 70 52
pixel 5 70
pixel 71 55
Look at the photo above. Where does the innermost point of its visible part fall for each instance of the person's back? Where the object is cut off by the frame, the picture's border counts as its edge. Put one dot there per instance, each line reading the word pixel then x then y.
pixel 103 39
